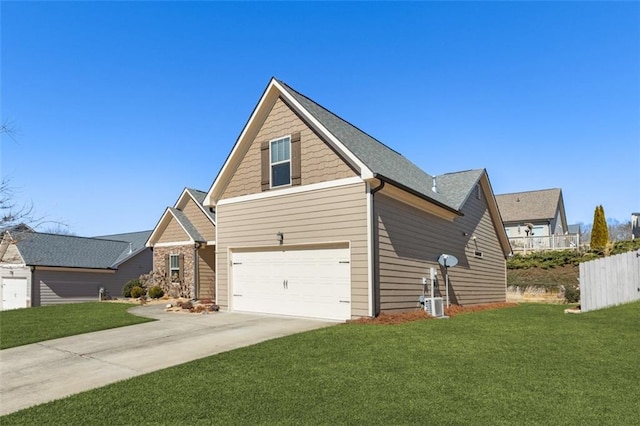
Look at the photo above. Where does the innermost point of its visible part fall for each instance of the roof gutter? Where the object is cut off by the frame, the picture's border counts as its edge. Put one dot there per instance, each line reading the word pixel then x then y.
pixel 416 193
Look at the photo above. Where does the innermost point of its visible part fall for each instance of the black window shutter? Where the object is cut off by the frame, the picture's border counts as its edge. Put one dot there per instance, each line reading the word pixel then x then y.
pixel 296 166
pixel 265 165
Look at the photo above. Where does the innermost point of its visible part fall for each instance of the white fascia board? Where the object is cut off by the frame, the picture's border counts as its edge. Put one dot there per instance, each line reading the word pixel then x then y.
pixel 162 224
pixel 12 266
pixel 494 212
pixel 153 235
pixel 184 192
pixel 292 190
pixel 176 243
pixel 269 95
pixel 365 172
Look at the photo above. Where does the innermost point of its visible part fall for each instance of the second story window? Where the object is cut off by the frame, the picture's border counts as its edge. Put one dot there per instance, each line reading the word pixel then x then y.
pixel 280 150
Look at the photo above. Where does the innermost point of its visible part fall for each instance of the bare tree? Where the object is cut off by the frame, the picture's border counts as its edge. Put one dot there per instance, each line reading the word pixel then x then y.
pixel 619 231
pixel 59 229
pixel 12 213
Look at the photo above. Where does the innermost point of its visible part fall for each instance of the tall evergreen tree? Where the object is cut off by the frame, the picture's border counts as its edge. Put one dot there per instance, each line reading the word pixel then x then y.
pixel 599 231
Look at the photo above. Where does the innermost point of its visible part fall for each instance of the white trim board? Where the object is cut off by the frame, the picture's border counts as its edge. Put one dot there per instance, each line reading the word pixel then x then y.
pixel 292 190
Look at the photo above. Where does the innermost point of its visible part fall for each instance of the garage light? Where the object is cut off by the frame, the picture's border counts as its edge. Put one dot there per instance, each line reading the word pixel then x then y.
pixel 280 237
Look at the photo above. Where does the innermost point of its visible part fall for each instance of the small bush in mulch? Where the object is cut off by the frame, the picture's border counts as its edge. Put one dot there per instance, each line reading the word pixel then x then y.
pixel 420 314
pixel 126 289
pixel 156 292
pixel 137 292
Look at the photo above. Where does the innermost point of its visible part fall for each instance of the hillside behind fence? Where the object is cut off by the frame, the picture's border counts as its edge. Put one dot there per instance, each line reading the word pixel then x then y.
pixel 610 281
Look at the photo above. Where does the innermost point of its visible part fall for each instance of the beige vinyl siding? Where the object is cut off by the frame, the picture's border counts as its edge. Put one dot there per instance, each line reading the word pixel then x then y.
pixel 319 163
pixel 206 272
pixel 329 215
pixel 12 255
pixel 173 233
pixel 199 219
pixel 411 241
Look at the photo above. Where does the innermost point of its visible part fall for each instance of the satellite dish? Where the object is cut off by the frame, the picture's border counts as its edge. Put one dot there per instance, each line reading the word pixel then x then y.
pixel 447 260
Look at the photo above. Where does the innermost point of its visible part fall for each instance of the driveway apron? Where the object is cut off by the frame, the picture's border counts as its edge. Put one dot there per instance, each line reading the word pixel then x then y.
pixel 41 372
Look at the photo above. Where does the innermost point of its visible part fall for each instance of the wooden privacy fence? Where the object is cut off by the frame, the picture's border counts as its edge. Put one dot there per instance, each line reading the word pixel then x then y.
pixel 610 281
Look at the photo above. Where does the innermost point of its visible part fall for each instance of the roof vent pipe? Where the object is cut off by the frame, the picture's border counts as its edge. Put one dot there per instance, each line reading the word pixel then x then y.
pixel 434 188
pixel 130 248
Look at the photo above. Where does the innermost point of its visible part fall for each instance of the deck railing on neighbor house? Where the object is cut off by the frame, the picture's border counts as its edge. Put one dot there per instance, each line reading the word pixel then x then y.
pixel 552 242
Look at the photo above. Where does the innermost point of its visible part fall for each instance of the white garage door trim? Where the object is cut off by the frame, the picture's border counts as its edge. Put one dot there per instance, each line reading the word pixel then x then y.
pixel 312 283
pixel 14 293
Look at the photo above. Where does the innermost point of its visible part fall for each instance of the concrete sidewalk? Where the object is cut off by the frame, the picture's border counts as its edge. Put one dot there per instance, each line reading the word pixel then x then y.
pixel 41 372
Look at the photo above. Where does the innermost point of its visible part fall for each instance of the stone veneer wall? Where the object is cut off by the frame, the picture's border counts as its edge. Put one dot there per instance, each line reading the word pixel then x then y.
pixel 159 263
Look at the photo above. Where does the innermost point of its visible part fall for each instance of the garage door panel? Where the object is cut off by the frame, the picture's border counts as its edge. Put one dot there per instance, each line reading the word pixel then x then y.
pixel 14 293
pixel 311 283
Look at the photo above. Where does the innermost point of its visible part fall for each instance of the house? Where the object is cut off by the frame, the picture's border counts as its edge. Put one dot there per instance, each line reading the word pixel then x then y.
pixel 635 225
pixel 183 244
pixel 316 218
pixel 536 220
pixel 45 269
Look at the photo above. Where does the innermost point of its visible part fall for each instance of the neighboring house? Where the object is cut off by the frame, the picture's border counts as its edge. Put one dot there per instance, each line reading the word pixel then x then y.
pixel 536 220
pixel 45 269
pixel 183 244
pixel 575 229
pixel 635 225
pixel 316 218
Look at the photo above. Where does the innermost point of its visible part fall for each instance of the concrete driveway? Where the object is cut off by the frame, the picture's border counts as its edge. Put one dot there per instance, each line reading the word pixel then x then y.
pixel 41 372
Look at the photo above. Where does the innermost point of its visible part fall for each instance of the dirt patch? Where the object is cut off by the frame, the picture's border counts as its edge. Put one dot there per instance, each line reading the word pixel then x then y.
pixel 420 314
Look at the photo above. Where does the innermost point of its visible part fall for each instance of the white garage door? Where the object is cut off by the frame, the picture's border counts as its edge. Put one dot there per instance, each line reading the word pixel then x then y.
pixel 14 293
pixel 308 283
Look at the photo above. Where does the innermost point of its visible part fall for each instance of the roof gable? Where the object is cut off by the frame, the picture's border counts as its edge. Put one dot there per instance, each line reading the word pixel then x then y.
pixel 531 205
pixel 176 213
pixel 370 157
pixel 199 198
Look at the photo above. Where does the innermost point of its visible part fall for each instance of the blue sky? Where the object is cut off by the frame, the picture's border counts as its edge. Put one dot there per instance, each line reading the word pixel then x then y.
pixel 120 105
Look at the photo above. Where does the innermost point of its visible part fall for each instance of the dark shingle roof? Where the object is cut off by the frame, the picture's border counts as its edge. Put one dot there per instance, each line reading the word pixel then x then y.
pixel 69 251
pixel 136 242
pixel 455 187
pixel 378 157
pixel 186 224
pixel 529 206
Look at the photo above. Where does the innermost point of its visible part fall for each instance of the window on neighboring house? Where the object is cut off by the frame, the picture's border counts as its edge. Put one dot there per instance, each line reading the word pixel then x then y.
pixel 174 267
pixel 280 162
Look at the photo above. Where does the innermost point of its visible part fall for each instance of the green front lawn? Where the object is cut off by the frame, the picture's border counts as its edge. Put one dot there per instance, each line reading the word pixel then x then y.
pixel 23 326
pixel 530 364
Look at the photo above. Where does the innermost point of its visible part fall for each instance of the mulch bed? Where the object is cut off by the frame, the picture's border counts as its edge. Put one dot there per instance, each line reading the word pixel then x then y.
pixel 420 314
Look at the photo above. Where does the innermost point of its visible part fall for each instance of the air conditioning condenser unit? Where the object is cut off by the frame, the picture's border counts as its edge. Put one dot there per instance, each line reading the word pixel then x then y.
pixel 434 306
